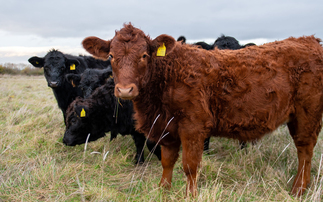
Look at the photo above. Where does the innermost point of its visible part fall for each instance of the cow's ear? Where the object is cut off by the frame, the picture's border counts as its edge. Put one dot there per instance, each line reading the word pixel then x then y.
pixel 72 64
pixel 82 111
pixel 97 47
pixel 74 79
pixel 163 45
pixel 36 61
pixel 106 73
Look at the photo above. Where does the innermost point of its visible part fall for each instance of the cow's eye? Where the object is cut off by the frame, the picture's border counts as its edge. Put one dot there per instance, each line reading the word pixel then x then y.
pixel 144 56
pixel 110 57
pixel 73 120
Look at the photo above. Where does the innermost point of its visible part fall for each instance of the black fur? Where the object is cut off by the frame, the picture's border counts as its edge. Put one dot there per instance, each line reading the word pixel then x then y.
pixel 103 113
pixel 90 79
pixel 182 39
pixel 56 65
pixel 204 45
pixel 222 42
pixel 226 42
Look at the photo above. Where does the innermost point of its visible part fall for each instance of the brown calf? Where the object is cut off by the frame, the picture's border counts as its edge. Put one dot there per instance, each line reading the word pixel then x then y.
pixel 189 94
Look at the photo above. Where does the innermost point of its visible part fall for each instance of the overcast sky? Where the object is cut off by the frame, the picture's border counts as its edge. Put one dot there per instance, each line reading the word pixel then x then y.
pixel 33 27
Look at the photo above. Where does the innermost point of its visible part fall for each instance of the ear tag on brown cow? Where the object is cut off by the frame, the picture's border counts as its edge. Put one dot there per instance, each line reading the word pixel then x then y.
pixel 161 51
pixel 72 67
pixel 82 113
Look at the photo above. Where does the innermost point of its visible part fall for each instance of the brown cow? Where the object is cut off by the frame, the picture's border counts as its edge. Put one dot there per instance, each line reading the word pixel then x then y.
pixel 194 93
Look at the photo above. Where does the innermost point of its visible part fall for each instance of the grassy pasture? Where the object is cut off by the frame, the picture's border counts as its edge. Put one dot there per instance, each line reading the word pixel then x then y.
pixel 36 166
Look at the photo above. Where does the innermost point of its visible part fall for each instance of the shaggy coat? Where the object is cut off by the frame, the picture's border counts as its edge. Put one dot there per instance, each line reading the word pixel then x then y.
pixel 188 94
pixel 56 65
pixel 103 113
pixel 223 42
pixel 90 79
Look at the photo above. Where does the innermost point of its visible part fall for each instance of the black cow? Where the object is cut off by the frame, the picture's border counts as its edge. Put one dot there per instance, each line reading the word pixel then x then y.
pixel 103 112
pixel 182 39
pixel 90 79
pixel 222 42
pixel 226 42
pixel 204 45
pixel 56 65
pixel 201 44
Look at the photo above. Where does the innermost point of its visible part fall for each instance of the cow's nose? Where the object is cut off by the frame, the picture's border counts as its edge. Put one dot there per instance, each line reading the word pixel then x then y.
pixel 65 141
pixel 53 84
pixel 124 92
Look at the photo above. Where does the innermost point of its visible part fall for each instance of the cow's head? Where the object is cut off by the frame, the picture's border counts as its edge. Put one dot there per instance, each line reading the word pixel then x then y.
pixel 79 125
pixel 226 42
pixel 131 53
pixel 56 65
pixel 90 79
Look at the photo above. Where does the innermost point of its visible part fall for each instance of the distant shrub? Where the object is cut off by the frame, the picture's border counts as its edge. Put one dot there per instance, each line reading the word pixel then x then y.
pixel 20 69
pixel 32 71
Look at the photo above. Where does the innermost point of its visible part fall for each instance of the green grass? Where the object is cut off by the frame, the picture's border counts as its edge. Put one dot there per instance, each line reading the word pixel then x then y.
pixel 36 166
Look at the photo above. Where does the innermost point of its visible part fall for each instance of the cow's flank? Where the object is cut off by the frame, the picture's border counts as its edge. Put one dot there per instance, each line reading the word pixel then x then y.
pixel 241 94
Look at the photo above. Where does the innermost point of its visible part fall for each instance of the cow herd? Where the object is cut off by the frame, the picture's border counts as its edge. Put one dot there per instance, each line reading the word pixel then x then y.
pixel 178 94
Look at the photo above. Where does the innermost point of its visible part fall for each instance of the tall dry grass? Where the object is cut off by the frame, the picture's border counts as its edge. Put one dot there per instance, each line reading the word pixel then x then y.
pixel 36 166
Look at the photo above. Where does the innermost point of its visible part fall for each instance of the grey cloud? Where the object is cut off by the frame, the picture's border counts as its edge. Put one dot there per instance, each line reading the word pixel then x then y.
pixel 194 19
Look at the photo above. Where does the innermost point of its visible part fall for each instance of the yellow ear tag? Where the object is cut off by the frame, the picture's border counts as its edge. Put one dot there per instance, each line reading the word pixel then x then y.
pixel 82 113
pixel 72 67
pixel 37 62
pixel 161 50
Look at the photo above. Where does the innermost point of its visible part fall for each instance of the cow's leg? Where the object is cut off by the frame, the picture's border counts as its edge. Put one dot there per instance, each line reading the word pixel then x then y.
pixel 139 140
pixel 64 116
pixel 154 148
pixel 304 130
pixel 191 157
pixel 207 144
pixel 113 134
pixel 169 155
pixel 242 144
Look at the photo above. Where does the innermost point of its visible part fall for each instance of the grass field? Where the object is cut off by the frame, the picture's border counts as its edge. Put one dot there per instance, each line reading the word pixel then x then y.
pixel 36 166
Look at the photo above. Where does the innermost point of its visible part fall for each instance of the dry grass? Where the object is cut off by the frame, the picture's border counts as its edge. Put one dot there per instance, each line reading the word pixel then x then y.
pixel 36 166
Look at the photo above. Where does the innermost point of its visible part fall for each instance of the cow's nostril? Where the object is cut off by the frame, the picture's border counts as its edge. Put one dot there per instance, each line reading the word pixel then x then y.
pixel 130 89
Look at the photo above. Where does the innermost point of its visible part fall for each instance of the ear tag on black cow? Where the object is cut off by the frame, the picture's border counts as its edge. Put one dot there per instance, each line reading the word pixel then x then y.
pixel 82 113
pixel 72 67
pixel 37 62
pixel 72 83
pixel 161 51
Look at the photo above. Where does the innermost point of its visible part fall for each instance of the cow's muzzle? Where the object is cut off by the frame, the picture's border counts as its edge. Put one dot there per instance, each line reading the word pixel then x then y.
pixel 126 92
pixel 53 84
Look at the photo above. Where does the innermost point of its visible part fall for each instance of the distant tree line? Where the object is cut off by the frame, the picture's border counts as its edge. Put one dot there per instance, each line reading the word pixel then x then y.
pixel 20 69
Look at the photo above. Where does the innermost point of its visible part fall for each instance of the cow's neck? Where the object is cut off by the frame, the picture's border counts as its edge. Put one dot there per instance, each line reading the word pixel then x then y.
pixel 64 95
pixel 151 114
